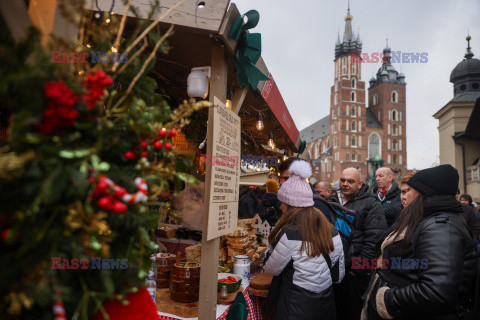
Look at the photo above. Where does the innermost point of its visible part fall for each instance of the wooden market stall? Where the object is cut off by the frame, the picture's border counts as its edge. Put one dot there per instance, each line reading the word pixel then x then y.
pixel 201 38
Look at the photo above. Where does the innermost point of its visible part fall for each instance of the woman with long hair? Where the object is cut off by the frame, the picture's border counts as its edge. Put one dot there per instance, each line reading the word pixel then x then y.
pixel 306 254
pixel 427 263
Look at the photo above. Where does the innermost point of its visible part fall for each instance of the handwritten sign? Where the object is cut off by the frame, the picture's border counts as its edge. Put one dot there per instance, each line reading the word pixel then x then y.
pixel 225 180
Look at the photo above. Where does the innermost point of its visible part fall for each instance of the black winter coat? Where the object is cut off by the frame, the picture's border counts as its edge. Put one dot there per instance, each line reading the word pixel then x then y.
pixel 442 274
pixel 391 202
pixel 472 221
pixel 370 225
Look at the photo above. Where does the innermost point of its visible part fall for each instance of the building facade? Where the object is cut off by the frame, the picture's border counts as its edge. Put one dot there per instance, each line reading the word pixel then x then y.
pixel 358 132
pixel 459 125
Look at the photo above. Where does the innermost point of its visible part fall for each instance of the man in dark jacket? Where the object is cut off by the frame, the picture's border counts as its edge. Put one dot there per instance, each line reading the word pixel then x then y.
pixel 371 224
pixel 388 193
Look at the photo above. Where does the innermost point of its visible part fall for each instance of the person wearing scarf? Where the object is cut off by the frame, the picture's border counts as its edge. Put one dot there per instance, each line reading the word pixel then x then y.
pixel 427 263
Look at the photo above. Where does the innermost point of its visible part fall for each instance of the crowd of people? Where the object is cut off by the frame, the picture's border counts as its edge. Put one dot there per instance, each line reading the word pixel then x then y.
pixel 412 253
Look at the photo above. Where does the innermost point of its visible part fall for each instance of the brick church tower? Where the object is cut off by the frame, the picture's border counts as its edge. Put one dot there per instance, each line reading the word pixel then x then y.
pixel 347 104
pixel 387 101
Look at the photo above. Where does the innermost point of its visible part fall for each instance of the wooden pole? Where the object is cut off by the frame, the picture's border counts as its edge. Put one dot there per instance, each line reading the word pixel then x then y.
pixel 238 98
pixel 209 267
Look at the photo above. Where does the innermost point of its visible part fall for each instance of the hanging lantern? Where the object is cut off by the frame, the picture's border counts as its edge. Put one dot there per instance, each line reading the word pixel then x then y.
pixel 197 82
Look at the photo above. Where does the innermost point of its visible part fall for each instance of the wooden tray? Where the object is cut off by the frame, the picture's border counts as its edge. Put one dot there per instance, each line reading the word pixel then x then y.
pixel 231 297
pixel 261 281
pixel 257 292
pixel 167 305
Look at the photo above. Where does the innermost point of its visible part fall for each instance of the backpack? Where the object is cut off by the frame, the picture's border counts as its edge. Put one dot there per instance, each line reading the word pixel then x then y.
pixel 345 222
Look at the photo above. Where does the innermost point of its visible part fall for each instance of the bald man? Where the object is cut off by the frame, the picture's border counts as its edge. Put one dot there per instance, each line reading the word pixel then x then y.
pixel 370 225
pixel 388 193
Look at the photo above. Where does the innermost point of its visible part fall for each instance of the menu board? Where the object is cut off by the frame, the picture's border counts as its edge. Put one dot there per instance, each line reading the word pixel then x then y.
pixel 225 171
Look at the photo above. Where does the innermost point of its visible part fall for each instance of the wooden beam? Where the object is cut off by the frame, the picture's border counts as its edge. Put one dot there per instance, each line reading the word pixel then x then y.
pixel 16 17
pixel 209 267
pixel 208 16
pixel 238 98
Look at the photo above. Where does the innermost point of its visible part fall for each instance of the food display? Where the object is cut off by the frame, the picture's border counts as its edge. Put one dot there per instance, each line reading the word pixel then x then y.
pixel 231 281
pixel 185 282
pixel 165 262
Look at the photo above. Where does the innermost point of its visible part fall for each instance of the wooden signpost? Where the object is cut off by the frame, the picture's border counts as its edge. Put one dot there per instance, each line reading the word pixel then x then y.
pixel 224 152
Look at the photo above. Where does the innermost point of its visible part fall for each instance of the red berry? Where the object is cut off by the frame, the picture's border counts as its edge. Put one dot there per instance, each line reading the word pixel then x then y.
pixel 168 146
pixel 173 133
pixel 120 192
pixel 158 145
pixel 119 207
pixel 92 179
pixel 129 155
pixel 162 133
pixel 102 185
pixel 144 144
pixel 5 234
pixel 105 203
pixel 145 154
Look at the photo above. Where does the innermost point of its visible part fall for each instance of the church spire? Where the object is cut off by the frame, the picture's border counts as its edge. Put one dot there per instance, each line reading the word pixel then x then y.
pixel 348 35
pixel 469 53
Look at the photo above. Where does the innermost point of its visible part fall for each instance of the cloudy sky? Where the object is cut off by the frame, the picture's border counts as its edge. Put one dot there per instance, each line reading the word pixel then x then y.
pixel 298 39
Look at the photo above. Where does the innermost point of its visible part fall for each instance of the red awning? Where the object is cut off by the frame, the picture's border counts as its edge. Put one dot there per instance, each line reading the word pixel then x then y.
pixel 274 99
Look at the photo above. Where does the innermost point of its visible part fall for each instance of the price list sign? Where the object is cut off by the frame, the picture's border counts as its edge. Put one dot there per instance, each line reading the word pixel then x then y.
pixel 225 171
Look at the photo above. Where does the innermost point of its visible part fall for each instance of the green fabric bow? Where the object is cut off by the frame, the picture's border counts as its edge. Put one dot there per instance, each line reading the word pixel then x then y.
pixel 249 49
pixel 238 310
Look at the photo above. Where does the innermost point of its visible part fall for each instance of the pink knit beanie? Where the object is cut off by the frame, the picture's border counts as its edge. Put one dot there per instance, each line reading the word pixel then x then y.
pixel 296 191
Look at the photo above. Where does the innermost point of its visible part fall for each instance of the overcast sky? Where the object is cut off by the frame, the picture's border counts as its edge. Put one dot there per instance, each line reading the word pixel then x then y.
pixel 298 39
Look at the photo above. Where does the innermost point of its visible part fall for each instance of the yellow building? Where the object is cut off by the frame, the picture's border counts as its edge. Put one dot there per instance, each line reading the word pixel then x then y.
pixel 459 125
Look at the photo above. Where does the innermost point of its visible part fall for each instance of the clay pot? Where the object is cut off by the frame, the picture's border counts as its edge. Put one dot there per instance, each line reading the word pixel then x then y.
pixel 164 266
pixel 185 282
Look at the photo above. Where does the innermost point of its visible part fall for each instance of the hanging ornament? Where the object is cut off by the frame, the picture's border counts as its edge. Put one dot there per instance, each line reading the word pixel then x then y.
pixel 145 154
pixel 144 144
pixel 173 133
pixel 168 146
pixel 98 15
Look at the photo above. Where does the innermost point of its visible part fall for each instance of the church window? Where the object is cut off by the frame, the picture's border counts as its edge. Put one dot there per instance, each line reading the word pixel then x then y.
pixel 394 96
pixel 353 69
pixel 353 83
pixel 375 100
pixel 354 158
pixel 347 157
pixel 394 159
pixel 394 145
pixel 394 115
pixel 359 156
pixel 353 111
pixel 353 96
pixel 354 125
pixel 344 70
pixel 354 141
pixel 394 130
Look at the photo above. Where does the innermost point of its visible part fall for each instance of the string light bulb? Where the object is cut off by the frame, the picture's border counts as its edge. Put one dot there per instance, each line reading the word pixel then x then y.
pixel 271 144
pixel 259 124
pixel 89 45
pixel 228 102
pixel 285 155
pixel 114 50
pixel 108 20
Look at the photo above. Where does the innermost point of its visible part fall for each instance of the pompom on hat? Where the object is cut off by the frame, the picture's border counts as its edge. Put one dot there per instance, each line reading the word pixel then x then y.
pixel 296 191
